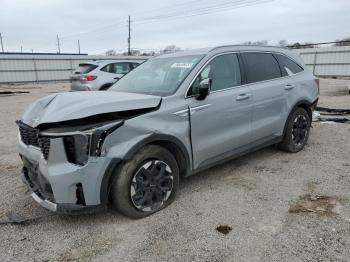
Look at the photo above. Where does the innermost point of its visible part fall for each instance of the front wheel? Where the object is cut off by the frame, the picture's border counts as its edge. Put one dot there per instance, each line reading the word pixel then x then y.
pixel 297 131
pixel 147 183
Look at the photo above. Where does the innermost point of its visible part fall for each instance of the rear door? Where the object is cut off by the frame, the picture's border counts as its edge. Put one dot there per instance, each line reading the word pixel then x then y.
pixel 114 71
pixel 220 124
pixel 267 86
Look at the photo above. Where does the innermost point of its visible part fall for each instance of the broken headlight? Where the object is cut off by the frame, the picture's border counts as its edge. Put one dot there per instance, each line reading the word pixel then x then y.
pixel 77 148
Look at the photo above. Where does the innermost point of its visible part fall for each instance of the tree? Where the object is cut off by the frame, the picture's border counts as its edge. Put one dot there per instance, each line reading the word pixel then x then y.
pixel 341 43
pixel 111 52
pixel 283 43
pixel 257 43
pixel 170 49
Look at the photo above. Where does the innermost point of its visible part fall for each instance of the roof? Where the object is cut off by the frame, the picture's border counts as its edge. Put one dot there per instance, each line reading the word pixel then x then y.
pixel 236 48
pixel 204 51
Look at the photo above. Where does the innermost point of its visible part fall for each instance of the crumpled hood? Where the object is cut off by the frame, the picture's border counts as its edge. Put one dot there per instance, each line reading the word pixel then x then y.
pixel 76 105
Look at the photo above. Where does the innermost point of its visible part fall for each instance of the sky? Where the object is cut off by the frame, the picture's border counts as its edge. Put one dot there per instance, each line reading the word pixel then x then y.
pixel 102 25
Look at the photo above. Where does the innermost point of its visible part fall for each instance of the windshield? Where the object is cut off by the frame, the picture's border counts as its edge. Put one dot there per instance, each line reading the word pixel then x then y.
pixel 158 76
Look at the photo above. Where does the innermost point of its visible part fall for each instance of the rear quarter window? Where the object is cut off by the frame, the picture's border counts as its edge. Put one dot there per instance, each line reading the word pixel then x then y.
pixel 261 67
pixel 288 66
pixel 85 68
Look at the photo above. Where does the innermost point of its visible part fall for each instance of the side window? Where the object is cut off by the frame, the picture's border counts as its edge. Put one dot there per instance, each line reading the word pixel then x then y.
pixel 122 68
pixel 108 68
pixel 134 65
pixel 288 66
pixel 224 72
pixel 261 67
pixel 117 68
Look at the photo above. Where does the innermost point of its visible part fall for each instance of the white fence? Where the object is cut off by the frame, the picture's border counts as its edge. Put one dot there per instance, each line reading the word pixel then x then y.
pixel 323 62
pixel 327 61
pixel 16 68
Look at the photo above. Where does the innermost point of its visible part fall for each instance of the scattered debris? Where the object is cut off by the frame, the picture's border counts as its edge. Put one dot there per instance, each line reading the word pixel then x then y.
pixel 333 111
pixel 22 239
pixel 13 92
pixel 315 115
pixel 14 218
pixel 332 120
pixel 224 229
pixel 318 204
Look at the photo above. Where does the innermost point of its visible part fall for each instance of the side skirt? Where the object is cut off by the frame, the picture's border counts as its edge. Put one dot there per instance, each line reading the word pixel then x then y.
pixel 237 153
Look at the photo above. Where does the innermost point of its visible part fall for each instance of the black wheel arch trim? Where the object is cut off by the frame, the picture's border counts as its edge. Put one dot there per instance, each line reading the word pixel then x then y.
pixel 105 86
pixel 154 138
pixel 299 104
pixel 105 183
pixel 115 162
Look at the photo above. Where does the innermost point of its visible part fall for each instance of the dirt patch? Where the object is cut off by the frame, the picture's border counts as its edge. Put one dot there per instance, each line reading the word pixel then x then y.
pixel 224 229
pixel 318 204
pixel 85 253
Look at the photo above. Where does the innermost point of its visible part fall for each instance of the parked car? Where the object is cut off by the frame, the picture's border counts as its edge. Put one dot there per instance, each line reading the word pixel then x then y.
pixel 172 116
pixel 100 75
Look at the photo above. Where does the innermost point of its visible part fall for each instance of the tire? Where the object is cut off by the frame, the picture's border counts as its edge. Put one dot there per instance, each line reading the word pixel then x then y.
pixel 105 87
pixel 297 131
pixel 136 192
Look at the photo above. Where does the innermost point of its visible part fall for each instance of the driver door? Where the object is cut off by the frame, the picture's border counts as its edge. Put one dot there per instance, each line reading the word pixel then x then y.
pixel 221 123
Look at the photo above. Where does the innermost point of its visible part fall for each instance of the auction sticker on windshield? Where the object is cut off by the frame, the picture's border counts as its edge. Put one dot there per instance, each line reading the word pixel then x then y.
pixel 182 65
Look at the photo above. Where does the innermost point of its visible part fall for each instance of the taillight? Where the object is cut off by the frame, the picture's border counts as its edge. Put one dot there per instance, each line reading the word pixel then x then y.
pixel 317 81
pixel 88 78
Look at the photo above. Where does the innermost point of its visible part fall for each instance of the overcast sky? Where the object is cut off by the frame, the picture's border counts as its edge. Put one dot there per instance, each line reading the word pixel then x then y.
pixel 102 25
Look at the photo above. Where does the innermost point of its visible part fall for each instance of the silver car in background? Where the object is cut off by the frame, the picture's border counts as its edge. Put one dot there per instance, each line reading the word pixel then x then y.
pixel 171 117
pixel 100 75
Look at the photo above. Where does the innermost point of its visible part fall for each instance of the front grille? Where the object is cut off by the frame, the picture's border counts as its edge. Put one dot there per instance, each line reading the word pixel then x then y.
pixel 44 144
pixel 29 135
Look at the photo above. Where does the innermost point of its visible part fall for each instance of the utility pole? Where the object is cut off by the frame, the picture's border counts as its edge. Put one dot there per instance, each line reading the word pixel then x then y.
pixel 2 44
pixel 58 44
pixel 78 46
pixel 129 38
pixel 21 49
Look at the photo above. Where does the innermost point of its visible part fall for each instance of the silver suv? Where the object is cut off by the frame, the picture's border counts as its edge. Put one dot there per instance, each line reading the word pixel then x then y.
pixel 172 116
pixel 100 75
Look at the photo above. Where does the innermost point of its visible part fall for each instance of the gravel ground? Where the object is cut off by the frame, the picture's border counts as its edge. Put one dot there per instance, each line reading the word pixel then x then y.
pixel 280 206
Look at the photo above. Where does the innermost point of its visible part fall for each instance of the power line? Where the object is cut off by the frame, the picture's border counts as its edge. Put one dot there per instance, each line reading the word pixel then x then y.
pixel 172 15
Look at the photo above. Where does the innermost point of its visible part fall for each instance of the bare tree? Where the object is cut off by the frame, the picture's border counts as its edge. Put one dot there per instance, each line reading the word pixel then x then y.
pixel 171 49
pixel 111 52
pixel 257 43
pixel 342 43
pixel 283 43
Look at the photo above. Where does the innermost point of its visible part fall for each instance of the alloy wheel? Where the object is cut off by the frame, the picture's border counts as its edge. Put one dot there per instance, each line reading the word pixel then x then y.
pixel 151 185
pixel 299 130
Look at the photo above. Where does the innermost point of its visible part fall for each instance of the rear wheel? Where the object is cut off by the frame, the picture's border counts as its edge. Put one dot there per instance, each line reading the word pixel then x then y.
pixel 105 87
pixel 147 183
pixel 297 131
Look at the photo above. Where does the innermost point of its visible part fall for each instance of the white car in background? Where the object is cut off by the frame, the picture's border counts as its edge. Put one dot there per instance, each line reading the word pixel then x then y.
pixel 100 75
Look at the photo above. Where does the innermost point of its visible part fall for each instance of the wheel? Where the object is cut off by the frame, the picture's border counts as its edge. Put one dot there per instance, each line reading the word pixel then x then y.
pixel 147 183
pixel 297 131
pixel 105 87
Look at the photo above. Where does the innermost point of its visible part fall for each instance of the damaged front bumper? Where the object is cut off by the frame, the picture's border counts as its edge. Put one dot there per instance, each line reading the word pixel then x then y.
pixel 60 186
pixel 41 191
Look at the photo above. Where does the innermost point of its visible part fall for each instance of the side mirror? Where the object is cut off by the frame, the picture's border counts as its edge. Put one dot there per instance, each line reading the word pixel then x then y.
pixel 204 89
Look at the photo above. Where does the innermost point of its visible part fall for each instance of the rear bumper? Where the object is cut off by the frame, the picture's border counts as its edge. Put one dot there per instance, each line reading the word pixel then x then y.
pixel 76 85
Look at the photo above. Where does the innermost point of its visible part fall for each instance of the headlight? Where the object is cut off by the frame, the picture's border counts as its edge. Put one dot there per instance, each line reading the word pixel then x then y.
pixel 77 148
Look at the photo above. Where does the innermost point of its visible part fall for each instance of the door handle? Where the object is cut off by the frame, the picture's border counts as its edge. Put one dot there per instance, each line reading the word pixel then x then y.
pixel 289 87
pixel 242 97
